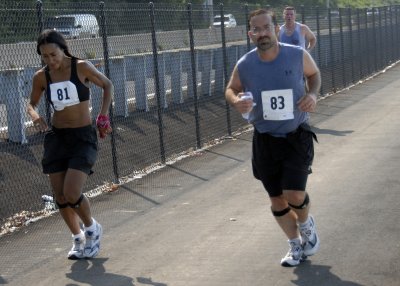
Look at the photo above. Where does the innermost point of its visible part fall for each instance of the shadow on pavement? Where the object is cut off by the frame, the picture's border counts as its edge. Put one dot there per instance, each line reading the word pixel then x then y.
pixel 309 274
pixel 2 280
pixel 147 281
pixel 93 272
pixel 331 132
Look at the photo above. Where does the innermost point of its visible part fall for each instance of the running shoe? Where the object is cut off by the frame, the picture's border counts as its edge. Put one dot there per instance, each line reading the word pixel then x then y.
pixel 92 246
pixel 309 236
pixel 294 255
pixel 76 252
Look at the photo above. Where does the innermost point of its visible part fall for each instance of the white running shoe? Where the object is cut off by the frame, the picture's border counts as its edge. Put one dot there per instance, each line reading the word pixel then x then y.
pixel 295 254
pixel 92 246
pixel 78 244
pixel 310 237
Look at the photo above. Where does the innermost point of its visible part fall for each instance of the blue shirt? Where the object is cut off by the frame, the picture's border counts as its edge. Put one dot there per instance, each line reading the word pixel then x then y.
pixel 296 38
pixel 284 72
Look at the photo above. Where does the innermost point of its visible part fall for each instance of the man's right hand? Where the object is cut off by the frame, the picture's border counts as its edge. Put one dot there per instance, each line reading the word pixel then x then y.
pixel 243 105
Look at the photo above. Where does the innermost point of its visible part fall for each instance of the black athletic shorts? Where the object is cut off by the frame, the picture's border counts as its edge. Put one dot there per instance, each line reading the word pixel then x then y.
pixel 74 148
pixel 283 163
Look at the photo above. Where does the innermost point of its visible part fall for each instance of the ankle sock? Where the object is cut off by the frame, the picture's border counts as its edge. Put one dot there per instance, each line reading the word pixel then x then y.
pixel 296 240
pixel 80 235
pixel 92 227
pixel 306 223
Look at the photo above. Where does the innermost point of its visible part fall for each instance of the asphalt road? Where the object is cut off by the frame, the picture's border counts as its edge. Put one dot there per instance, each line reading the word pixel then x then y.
pixel 205 221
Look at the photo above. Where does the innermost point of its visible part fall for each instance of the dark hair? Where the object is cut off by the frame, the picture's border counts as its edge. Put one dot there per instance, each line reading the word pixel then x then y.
pixel 289 8
pixel 264 11
pixel 53 37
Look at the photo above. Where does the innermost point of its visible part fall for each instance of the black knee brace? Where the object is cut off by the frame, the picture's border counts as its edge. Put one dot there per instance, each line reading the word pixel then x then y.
pixel 78 202
pixel 282 212
pixel 62 206
pixel 303 205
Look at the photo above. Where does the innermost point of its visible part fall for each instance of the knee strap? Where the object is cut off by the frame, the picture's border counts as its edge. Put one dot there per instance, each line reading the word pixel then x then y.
pixel 78 202
pixel 281 213
pixel 62 206
pixel 303 205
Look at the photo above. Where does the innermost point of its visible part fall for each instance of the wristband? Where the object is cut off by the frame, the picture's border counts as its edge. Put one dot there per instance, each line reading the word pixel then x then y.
pixel 103 121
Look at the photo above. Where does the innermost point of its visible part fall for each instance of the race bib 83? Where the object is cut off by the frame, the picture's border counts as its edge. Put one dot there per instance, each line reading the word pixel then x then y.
pixel 277 104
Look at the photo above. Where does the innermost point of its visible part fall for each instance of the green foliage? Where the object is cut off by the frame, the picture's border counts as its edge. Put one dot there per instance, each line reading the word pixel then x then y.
pixel 18 21
pixel 272 3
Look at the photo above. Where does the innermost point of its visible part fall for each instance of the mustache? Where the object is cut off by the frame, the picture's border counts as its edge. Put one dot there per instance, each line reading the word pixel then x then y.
pixel 264 37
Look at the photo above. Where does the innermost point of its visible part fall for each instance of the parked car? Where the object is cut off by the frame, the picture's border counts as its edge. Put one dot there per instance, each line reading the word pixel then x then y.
pixel 229 21
pixel 371 11
pixel 74 25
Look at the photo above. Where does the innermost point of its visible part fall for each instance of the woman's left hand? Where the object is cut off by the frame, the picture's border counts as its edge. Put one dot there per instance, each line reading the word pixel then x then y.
pixel 103 124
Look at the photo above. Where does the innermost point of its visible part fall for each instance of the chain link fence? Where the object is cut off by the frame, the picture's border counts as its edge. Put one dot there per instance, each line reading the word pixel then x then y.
pixel 169 65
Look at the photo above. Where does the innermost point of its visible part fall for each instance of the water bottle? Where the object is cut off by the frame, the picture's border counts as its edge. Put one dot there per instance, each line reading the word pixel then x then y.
pixel 247 95
pixel 48 202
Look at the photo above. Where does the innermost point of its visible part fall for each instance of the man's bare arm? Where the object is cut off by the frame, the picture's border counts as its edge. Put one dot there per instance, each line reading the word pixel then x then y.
pixel 310 37
pixel 312 74
pixel 234 91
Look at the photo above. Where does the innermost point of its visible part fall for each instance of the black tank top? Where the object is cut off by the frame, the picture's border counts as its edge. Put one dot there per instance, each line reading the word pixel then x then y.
pixel 66 93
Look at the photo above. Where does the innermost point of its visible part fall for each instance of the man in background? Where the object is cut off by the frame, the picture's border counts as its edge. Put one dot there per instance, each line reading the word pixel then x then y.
pixel 295 33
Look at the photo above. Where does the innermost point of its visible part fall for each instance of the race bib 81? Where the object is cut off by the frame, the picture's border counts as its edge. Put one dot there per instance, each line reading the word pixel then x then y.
pixel 63 94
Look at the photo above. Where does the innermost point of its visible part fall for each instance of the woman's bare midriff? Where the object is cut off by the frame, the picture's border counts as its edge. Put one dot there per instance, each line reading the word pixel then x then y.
pixel 72 116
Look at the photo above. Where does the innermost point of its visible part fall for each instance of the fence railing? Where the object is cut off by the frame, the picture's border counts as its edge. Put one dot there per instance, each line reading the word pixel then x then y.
pixel 169 66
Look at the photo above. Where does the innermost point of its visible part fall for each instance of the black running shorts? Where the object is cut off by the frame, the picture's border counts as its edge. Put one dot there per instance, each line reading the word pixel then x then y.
pixel 283 163
pixel 70 148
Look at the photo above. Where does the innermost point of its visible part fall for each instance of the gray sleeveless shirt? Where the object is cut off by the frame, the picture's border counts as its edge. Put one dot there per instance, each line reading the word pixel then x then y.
pixel 296 38
pixel 276 87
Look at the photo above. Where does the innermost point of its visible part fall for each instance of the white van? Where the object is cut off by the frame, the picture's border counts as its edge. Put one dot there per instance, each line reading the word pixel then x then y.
pixel 74 26
pixel 229 21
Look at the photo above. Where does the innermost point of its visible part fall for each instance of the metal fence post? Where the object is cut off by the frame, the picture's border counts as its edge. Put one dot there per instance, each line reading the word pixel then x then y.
pixel 351 44
pixel 396 11
pixel 395 33
pixel 383 37
pixel 392 42
pixel 103 33
pixel 367 41
pixel 359 42
pixel 388 38
pixel 157 82
pixel 374 39
pixel 343 61
pixel 331 49
pixel 317 14
pixel 194 75
pixel 396 22
pixel 39 10
pixel 225 60
pixel 246 18
pixel 380 32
